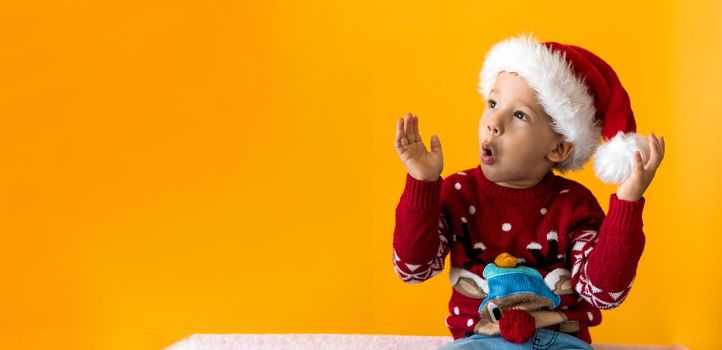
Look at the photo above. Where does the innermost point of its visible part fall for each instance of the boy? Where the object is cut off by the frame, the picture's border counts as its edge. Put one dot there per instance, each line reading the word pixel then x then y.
pixel 547 106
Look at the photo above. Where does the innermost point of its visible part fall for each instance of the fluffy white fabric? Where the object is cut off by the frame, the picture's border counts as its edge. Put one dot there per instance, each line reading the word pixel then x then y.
pixel 341 342
pixel 614 160
pixel 310 342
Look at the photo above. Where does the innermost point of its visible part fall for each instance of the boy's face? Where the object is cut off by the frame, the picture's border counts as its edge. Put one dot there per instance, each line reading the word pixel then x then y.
pixel 515 134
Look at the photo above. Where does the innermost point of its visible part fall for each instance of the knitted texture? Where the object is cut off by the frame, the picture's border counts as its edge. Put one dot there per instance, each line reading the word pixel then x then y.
pixel 556 227
pixel 517 326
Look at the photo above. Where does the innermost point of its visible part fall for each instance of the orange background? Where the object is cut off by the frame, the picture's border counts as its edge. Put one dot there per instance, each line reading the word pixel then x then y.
pixel 171 168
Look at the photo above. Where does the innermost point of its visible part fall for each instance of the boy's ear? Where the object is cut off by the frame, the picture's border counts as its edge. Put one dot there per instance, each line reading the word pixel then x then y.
pixel 561 152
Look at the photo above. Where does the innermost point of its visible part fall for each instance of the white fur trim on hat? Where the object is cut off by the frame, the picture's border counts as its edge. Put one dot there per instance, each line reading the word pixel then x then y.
pixel 614 160
pixel 561 93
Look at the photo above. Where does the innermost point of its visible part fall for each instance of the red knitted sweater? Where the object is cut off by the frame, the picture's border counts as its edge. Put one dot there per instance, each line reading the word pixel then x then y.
pixel 554 224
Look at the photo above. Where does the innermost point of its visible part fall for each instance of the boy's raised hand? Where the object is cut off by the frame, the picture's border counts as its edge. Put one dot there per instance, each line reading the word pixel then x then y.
pixel 633 188
pixel 420 163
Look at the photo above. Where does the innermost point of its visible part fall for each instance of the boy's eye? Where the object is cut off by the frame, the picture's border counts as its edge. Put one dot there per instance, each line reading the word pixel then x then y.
pixel 492 104
pixel 521 116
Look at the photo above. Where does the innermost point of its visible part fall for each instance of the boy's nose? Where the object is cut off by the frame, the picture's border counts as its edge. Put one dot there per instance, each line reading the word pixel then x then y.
pixel 494 123
pixel 493 129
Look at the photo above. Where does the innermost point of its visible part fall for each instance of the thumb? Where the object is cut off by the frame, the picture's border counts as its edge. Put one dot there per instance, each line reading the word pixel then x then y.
pixel 435 144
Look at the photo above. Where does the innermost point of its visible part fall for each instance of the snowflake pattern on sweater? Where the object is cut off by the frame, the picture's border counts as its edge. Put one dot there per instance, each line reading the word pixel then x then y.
pixel 555 226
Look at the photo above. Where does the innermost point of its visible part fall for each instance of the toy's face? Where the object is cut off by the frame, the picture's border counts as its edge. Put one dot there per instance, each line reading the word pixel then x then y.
pixel 504 286
pixel 536 305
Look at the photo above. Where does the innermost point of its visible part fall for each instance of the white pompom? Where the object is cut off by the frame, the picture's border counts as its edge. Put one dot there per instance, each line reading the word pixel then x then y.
pixel 614 160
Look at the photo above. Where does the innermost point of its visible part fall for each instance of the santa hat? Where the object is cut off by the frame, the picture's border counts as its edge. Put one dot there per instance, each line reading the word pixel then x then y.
pixel 583 96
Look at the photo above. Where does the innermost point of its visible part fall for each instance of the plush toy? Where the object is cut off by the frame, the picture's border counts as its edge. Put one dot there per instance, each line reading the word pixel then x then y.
pixel 518 300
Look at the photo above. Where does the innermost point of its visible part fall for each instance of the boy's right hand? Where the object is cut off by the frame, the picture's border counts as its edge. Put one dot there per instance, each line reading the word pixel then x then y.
pixel 421 164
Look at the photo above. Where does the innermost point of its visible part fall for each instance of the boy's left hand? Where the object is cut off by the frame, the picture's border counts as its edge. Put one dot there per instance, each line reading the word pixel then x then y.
pixel 633 188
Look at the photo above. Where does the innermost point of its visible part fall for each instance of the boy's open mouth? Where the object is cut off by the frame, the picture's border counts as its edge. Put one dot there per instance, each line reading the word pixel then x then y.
pixel 487 153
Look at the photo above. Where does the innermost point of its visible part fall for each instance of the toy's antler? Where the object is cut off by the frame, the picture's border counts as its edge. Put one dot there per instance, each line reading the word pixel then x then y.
pixel 463 280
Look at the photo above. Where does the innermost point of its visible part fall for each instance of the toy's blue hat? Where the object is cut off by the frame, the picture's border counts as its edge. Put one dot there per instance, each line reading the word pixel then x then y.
pixel 504 281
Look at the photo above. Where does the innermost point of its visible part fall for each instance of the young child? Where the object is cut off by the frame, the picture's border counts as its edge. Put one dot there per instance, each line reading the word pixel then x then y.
pixel 548 106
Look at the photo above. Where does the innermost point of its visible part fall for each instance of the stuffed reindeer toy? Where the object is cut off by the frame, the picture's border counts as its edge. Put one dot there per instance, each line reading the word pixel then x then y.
pixel 517 299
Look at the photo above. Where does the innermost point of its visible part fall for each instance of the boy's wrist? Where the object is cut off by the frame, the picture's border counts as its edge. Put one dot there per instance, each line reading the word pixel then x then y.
pixel 628 197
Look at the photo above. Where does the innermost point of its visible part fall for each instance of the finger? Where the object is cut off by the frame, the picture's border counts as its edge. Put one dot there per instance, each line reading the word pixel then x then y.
pixel 659 150
pixel 661 154
pixel 639 165
pixel 400 134
pixel 417 136
pixel 435 144
pixel 657 144
pixel 408 128
pixel 653 152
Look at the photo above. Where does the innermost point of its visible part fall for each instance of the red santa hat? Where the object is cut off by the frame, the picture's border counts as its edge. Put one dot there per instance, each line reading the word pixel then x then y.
pixel 583 96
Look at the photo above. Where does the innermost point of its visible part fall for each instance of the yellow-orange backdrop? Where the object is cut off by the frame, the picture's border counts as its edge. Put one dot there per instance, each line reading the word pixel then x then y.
pixel 175 167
